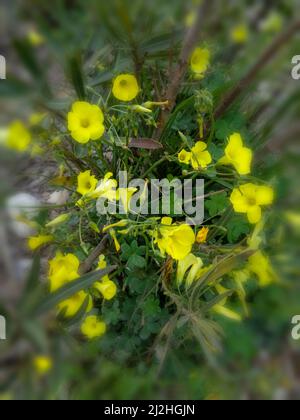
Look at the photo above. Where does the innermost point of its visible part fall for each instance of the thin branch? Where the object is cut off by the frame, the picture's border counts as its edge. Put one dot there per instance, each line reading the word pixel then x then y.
pixel 264 59
pixel 178 73
pixel 87 265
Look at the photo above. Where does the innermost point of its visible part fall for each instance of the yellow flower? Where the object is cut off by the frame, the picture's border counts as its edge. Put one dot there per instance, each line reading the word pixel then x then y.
pixel 43 364
pixel 273 23
pixel 184 157
pixel 237 155
pixel 36 242
pixel 107 188
pixel 58 220
pixel 87 183
pixel 107 288
pixel 35 38
pixel 200 60
pixel 293 218
pixel 70 307
pixel 191 265
pixel 102 264
pixel 36 118
pixel 86 122
pixel 63 269
pixel 125 195
pixel 249 198
pixel 260 265
pixel 19 138
pixel 125 87
pixel 200 158
pixel 115 239
pixel 140 109
pixel 240 34
pixel 202 235
pixel 93 328
pixel 174 240
pixel 94 227
pixel 190 18
pixel 150 104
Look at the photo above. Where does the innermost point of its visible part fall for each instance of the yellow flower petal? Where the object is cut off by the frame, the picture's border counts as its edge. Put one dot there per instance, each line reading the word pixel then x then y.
pixel 19 137
pixel 202 235
pixel 254 214
pixel 265 196
pixel 237 155
pixel 70 307
pixel 239 201
pixel 63 269
pixel 243 163
pixel 184 157
pixel 200 158
pixel 200 60
pixel 260 265
pixel 86 183
pixel 125 195
pixel 36 242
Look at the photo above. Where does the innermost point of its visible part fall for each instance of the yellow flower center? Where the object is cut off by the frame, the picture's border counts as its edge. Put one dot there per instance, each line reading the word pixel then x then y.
pixel 88 185
pixel 251 201
pixel 233 155
pixel 123 83
pixel 85 123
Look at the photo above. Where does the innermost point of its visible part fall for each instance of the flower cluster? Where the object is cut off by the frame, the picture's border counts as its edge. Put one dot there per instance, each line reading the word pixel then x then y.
pixel 64 269
pixel 102 137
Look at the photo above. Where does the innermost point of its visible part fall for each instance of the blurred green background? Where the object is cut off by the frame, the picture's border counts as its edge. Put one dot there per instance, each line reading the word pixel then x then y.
pixel 44 44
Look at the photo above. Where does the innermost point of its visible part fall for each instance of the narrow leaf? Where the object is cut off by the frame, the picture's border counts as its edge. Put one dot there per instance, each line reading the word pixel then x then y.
pixel 145 143
pixel 76 75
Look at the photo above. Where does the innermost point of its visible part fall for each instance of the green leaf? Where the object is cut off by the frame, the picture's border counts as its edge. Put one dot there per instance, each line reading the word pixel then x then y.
pixel 31 62
pixel 111 314
pixel 160 43
pixel 224 267
pixel 26 54
pixel 33 277
pixel 237 227
pixel 217 204
pixel 135 261
pixel 75 71
pixel 136 284
pixel 233 122
pixel 36 333
pixel 72 288
pixel 215 151
pixel 151 307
